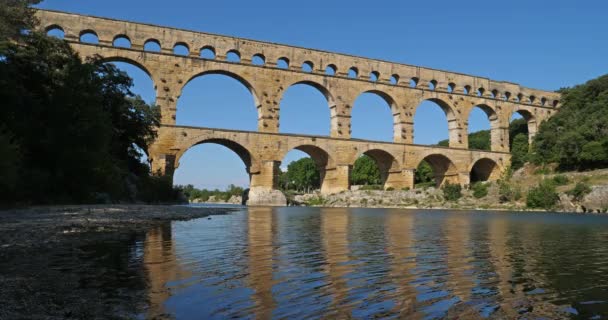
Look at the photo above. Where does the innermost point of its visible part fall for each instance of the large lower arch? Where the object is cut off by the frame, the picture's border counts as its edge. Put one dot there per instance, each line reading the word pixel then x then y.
pixel 484 169
pixel 323 162
pixel 389 167
pixel 235 147
pixel 453 125
pixel 230 102
pixel 370 116
pixel 444 169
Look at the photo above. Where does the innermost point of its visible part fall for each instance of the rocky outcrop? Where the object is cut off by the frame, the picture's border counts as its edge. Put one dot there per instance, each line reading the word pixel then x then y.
pixel 597 200
pixel 265 197
pixel 214 199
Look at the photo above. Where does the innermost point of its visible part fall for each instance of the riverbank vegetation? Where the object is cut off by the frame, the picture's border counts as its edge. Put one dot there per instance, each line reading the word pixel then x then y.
pixel 71 131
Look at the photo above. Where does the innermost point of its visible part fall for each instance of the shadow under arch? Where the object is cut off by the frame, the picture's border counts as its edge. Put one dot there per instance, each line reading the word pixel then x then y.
pixel 444 170
pixel 322 160
pixel 452 120
pixel 484 169
pixel 324 92
pixel 393 108
pixel 495 139
pixel 387 164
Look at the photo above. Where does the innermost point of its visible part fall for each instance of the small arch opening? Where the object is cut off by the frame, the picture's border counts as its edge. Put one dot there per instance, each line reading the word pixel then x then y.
pixel 432 84
pixel 507 96
pixel 480 92
pixel 467 89
pixel 89 36
pixel 258 59
pixel 233 56
pixel 394 79
pixel 307 66
pixel 152 45
pixel 207 52
pixel 494 94
pixel 543 101
pixel 330 70
pixel 353 72
pixel 414 82
pixel 374 76
pixel 451 87
pixel 181 49
pixel 121 41
pixel 283 63
pixel 55 31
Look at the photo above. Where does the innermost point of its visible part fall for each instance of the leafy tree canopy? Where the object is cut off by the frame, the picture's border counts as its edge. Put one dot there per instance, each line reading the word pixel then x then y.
pixel 365 172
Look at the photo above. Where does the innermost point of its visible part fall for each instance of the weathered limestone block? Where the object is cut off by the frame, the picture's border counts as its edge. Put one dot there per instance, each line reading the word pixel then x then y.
pixel 259 196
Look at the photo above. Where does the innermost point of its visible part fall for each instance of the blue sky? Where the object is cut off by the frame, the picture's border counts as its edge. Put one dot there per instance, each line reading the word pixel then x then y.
pixel 540 44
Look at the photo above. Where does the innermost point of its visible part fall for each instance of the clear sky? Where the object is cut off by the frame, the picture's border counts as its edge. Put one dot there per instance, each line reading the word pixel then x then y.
pixel 539 44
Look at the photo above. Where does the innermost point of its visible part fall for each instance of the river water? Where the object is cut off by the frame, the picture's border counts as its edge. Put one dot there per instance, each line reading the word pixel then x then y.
pixel 298 262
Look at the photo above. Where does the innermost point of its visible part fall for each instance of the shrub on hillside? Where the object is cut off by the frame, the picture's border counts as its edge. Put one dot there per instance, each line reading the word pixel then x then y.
pixel 480 189
pixel 580 190
pixel 507 192
pixel 452 192
pixel 560 180
pixel 542 196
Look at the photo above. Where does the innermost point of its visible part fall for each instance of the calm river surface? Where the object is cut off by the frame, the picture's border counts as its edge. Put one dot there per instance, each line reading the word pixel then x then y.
pixel 297 262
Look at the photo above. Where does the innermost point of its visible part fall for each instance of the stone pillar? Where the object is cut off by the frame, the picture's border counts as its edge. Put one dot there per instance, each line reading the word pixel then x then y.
pixel 458 134
pixel 403 129
pixel 532 128
pixel 264 182
pixel 464 178
pixel 336 179
pixel 340 121
pixel 499 139
pixel 162 164
pixel 400 179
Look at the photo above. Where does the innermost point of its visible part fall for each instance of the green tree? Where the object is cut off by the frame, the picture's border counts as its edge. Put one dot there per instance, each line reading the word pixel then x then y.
pixel 542 196
pixel 424 173
pixel 303 175
pixel 575 137
pixel 77 125
pixel 451 192
pixel 365 172
pixel 519 151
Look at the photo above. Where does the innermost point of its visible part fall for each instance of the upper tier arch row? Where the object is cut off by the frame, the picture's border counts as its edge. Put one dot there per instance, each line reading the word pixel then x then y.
pixel 294 58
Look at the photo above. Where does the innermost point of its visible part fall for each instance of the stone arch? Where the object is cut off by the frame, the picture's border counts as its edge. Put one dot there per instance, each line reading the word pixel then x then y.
pixel 120 37
pixel 55 30
pixel 444 169
pixel 152 45
pixel 88 32
pixel 144 68
pixel 324 92
pixel 394 111
pixel 530 119
pixel 234 76
pixel 454 128
pixel 388 165
pixel 236 147
pixel 484 169
pixel 322 159
pixel 496 140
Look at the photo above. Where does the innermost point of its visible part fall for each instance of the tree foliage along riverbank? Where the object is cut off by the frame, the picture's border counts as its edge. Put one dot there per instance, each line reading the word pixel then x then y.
pixel 70 130
pixel 576 137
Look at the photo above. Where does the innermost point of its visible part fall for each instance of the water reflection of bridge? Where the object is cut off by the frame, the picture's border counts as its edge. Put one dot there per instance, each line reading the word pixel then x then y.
pixel 476 271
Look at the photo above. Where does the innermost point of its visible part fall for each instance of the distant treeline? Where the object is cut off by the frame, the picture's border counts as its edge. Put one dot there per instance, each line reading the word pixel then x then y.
pixel 203 194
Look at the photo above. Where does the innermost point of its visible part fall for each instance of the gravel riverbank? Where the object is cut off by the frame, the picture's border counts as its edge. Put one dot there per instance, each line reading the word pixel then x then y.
pixel 33 287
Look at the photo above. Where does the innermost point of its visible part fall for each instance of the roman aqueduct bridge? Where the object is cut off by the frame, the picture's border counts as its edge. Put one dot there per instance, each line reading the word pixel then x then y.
pixel 269 69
